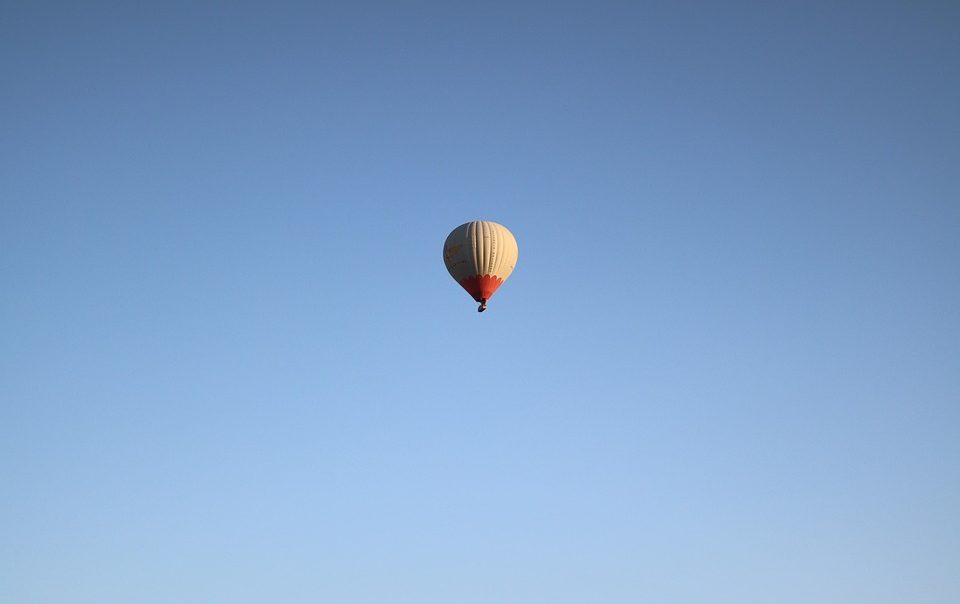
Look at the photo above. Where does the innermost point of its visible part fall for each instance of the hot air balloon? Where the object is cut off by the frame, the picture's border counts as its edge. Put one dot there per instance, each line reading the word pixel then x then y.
pixel 480 255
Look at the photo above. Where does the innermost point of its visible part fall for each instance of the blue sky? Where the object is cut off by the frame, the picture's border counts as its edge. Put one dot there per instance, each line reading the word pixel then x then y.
pixel 726 369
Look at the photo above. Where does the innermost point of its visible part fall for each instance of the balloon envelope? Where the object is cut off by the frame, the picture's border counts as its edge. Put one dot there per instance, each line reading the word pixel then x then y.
pixel 480 255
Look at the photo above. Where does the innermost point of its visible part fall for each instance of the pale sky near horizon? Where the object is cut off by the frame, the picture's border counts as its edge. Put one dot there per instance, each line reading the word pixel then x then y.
pixel 233 367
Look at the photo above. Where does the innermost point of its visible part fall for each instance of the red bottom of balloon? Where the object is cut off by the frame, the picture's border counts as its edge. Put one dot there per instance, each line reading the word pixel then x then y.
pixel 481 288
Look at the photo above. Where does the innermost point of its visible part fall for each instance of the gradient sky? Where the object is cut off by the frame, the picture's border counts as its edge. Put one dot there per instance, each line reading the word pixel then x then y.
pixel 234 369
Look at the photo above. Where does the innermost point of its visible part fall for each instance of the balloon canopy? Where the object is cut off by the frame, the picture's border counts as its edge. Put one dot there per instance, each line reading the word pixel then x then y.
pixel 480 255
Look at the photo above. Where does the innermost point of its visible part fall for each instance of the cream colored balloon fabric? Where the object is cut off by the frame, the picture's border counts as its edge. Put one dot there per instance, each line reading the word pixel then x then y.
pixel 480 255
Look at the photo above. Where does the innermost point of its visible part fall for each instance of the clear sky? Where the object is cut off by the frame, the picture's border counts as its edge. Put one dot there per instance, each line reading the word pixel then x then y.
pixel 234 368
